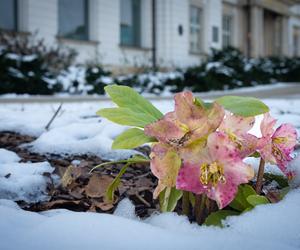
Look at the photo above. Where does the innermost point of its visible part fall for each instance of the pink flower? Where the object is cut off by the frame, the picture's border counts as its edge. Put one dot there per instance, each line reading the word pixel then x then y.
pixel 276 147
pixel 186 127
pixel 189 122
pixel 215 170
pixel 237 127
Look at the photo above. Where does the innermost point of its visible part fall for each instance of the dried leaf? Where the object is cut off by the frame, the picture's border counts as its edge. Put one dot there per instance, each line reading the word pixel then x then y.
pixel 97 186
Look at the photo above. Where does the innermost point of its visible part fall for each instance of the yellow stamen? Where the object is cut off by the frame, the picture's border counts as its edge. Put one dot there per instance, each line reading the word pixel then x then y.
pixel 212 174
pixel 279 140
pixel 234 139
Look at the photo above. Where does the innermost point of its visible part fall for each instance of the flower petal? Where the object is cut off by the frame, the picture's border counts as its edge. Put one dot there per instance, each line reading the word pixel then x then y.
pixel 248 145
pixel 188 179
pixel 166 129
pixel 266 152
pixel 267 125
pixel 285 137
pixel 235 175
pixel 238 125
pixel 199 120
pixel 165 164
pixel 222 148
pixel 185 108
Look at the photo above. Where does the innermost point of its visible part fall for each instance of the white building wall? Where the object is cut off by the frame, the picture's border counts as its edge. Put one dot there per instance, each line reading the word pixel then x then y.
pixel 172 48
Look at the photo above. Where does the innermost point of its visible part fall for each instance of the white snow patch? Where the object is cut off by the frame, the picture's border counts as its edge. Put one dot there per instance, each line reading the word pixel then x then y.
pixel 125 209
pixel 23 181
pixel 7 156
pixel 272 226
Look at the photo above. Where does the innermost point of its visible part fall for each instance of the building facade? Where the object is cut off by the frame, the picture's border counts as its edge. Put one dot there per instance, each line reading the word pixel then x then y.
pixel 124 34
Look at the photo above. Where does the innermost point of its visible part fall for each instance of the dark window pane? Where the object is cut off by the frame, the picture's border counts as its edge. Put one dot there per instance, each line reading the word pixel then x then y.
pixel 72 16
pixel 215 34
pixel 8 14
pixel 130 22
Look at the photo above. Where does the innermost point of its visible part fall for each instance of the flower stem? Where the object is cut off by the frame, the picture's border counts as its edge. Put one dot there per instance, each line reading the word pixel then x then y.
pixel 186 203
pixel 260 176
pixel 199 209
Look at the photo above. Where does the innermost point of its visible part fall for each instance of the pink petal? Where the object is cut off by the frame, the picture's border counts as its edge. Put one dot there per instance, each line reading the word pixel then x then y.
pixel 222 148
pixel 235 175
pixel 166 129
pixel 199 120
pixel 266 152
pixel 267 125
pixel 248 145
pixel 285 137
pixel 188 179
pixel 236 124
pixel 185 108
pixel 195 153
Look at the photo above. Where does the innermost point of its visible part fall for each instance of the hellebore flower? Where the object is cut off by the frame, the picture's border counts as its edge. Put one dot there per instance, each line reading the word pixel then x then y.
pixel 189 122
pixel 237 127
pixel 276 146
pixel 216 170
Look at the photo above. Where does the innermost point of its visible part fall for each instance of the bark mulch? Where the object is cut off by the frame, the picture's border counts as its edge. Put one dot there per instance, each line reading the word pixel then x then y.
pixel 79 190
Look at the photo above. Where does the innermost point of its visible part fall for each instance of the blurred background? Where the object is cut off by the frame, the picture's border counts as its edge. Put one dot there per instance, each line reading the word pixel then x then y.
pixel 156 46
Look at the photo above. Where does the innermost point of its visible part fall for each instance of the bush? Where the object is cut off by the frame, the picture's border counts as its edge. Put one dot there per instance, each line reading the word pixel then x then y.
pixel 29 66
pixel 229 68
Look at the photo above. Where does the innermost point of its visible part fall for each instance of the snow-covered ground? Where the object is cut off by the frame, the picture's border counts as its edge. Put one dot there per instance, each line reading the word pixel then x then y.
pixel 78 130
pixel 273 227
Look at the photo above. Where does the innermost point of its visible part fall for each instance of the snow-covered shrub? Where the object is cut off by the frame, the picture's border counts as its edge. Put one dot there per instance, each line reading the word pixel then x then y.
pixel 229 68
pixel 28 66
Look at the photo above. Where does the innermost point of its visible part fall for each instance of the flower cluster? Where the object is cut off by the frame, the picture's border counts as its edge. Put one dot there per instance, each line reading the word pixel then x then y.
pixel 201 148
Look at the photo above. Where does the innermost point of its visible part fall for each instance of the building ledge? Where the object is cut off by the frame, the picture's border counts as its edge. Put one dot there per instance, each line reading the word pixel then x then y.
pixel 129 47
pixel 76 41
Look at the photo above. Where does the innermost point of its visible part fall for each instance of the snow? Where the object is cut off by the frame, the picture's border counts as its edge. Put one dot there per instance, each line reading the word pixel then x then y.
pixel 62 229
pixel 7 156
pixel 22 181
pixel 78 130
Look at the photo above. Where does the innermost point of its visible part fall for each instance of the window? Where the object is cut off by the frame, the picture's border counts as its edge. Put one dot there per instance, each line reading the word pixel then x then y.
pixel 73 19
pixel 130 22
pixel 8 14
pixel 227 30
pixel 195 29
pixel 215 34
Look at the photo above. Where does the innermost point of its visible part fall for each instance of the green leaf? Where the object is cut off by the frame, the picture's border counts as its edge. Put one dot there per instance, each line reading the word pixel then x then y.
pixel 280 179
pixel 131 138
pixel 243 106
pixel 132 160
pixel 192 198
pixel 125 116
pixel 240 202
pixel 215 219
pixel 168 199
pixel 255 155
pixel 115 183
pixel 126 97
pixel 284 192
pixel 256 199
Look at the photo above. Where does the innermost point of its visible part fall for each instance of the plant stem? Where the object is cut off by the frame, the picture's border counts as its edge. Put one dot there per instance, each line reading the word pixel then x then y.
pixel 260 176
pixel 185 203
pixel 199 209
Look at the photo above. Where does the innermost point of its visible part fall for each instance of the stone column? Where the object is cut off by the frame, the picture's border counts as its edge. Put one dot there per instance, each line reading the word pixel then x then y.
pixel 285 36
pixel 257 31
